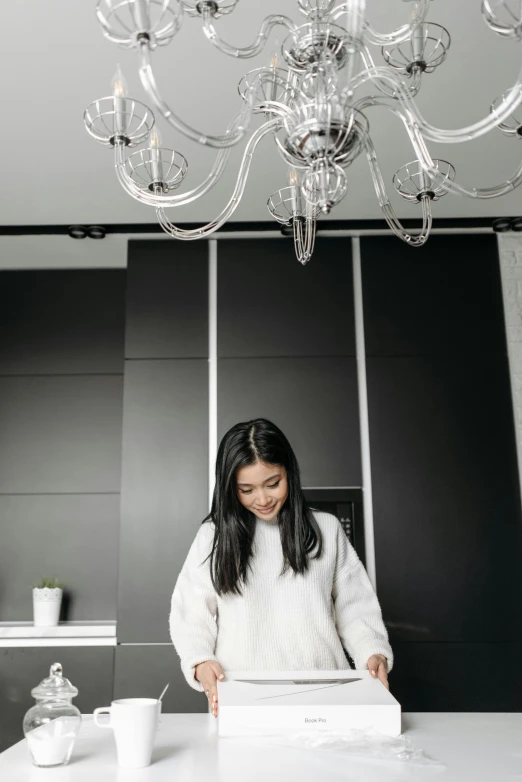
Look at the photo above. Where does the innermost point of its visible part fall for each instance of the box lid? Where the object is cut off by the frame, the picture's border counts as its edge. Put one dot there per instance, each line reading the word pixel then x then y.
pixel 302 688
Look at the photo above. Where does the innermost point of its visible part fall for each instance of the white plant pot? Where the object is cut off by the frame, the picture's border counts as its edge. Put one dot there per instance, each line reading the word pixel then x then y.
pixel 46 606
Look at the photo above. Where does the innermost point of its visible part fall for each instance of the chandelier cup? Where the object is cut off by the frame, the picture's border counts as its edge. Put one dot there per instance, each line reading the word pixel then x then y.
pixel 157 169
pixel 324 185
pixel 425 51
pixel 414 183
pixel 512 126
pixel 131 22
pixel 269 85
pixel 287 205
pixel 331 130
pixel 313 43
pixel 118 121
pixel 208 8
pixel 316 9
pixel 504 17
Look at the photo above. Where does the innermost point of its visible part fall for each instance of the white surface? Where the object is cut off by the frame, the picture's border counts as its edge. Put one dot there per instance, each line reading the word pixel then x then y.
pixel 53 172
pixel 64 634
pixel 212 367
pixel 473 748
pixel 364 425
pixel 510 249
pixel 133 722
pixel 247 708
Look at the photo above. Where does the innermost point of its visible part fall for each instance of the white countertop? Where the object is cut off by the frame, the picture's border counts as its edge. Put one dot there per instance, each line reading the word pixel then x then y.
pixel 473 748
pixel 100 633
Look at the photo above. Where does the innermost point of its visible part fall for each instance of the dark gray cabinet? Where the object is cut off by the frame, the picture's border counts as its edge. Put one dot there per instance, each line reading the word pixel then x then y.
pixel 62 322
pixel 60 434
pixel 448 533
pixel 270 305
pixel 457 677
pixel 314 402
pixel 167 300
pixel 448 536
pixel 164 493
pixel 442 299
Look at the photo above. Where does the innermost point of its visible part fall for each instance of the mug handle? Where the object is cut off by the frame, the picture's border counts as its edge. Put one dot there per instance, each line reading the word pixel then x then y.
pixel 102 710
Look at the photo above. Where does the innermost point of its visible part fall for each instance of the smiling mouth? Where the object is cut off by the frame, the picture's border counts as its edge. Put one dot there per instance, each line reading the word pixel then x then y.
pixel 266 510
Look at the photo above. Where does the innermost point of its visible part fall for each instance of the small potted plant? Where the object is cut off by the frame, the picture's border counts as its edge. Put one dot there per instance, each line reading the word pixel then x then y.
pixel 47 601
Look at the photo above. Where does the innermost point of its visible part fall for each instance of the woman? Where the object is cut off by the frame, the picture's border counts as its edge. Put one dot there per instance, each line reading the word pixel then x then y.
pixel 269 584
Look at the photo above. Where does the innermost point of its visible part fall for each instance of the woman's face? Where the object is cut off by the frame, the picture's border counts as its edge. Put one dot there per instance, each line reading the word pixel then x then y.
pixel 262 488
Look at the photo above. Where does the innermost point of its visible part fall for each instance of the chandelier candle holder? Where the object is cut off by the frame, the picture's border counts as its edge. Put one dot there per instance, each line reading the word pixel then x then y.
pixel 290 208
pixel 314 100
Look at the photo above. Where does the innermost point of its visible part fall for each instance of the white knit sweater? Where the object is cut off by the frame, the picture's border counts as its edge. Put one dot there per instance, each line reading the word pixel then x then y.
pixel 290 622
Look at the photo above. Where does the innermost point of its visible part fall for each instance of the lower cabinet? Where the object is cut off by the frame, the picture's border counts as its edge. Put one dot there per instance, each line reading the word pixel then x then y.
pixel 475 677
pixel 90 669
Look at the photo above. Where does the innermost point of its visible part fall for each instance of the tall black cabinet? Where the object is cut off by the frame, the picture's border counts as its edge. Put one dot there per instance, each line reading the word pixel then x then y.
pixel 448 531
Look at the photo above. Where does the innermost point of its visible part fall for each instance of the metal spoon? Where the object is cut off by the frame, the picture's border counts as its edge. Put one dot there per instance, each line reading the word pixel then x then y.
pixel 164 691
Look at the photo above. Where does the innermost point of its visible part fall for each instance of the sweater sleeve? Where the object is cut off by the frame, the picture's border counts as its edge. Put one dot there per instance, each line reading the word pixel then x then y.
pixel 193 612
pixel 357 611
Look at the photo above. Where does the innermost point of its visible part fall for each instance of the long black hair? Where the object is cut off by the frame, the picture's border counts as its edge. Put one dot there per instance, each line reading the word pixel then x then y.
pixel 247 443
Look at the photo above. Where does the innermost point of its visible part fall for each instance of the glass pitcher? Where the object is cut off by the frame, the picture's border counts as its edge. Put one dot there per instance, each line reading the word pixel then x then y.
pixel 52 725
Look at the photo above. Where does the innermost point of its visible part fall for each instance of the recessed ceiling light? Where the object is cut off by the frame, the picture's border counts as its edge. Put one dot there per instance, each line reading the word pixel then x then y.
pixel 77 231
pixel 96 232
pixel 502 225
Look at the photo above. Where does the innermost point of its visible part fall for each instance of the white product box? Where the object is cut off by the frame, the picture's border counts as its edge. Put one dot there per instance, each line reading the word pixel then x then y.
pixel 264 703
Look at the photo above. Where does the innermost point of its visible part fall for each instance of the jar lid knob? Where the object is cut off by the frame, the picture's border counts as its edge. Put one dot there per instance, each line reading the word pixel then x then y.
pixel 55 686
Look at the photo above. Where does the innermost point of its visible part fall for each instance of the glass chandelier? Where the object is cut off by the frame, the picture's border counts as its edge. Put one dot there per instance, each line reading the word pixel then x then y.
pixel 314 100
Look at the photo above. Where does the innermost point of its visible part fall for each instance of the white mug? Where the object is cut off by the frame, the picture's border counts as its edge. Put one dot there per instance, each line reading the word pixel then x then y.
pixel 134 722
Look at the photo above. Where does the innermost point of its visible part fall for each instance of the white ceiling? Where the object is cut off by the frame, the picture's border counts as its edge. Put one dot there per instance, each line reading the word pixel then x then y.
pixel 56 62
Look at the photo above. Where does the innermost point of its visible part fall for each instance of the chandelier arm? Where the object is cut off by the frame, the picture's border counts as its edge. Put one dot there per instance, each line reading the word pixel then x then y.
pixel 411 89
pixel 255 48
pixel 419 144
pixel 415 240
pixel 230 138
pixel 431 133
pixel 231 206
pixel 398 36
pixel 160 199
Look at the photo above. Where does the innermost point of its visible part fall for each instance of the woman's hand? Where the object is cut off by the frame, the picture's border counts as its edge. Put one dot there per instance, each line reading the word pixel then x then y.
pixel 378 667
pixel 208 673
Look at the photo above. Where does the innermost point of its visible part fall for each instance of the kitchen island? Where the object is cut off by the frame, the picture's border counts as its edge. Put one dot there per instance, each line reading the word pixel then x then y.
pixel 469 747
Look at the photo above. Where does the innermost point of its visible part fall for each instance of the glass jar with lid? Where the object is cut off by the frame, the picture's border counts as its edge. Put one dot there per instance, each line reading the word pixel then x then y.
pixel 52 725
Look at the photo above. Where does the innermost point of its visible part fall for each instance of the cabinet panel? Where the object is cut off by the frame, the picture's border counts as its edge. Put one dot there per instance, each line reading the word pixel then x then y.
pixel 71 537
pixel 457 677
pixel 143 672
pixel 270 305
pixel 446 499
pixel 89 668
pixel 62 322
pixel 444 298
pixel 167 300
pixel 60 434
pixel 164 488
pixel 314 402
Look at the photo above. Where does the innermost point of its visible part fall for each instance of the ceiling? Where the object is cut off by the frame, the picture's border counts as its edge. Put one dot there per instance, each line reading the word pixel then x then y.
pixel 56 62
